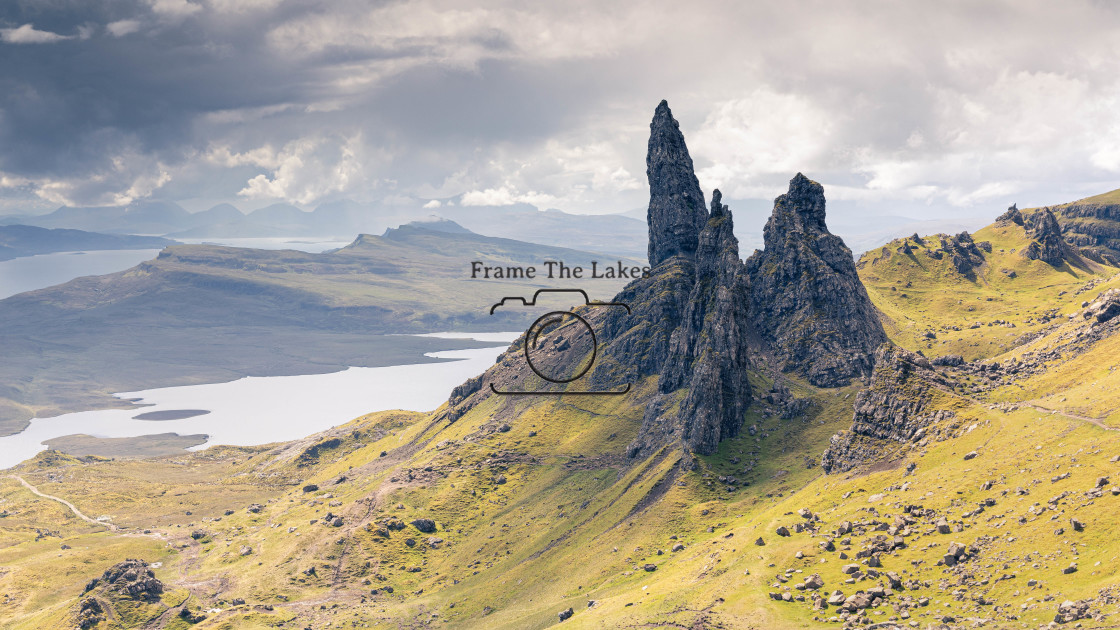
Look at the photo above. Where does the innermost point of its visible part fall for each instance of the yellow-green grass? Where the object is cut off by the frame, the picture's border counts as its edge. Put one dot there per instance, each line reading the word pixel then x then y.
pixel 919 294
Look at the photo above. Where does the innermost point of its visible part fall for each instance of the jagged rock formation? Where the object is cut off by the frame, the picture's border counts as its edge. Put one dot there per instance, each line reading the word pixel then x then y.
pixel 1048 245
pixel 893 408
pixel 806 298
pixel 1094 228
pixel 698 320
pixel 964 253
pixel 708 351
pixel 1011 216
pixel 676 205
pixel 131 578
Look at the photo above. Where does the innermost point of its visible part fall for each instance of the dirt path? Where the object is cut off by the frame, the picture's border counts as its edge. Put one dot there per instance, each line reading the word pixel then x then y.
pixel 1093 421
pixel 68 504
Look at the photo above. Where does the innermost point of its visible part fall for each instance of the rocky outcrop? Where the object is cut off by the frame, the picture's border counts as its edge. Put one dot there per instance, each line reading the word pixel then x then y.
pixel 1011 216
pixel 698 321
pixel 676 205
pixel 1094 228
pixel 892 409
pixel 1048 244
pixel 805 297
pixel 131 578
pixel 965 254
pixel 708 351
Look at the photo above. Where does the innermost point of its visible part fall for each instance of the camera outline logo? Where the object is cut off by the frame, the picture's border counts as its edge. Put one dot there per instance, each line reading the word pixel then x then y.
pixel 538 327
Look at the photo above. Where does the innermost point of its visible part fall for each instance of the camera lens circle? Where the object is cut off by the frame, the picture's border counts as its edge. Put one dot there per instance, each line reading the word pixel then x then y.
pixel 560 346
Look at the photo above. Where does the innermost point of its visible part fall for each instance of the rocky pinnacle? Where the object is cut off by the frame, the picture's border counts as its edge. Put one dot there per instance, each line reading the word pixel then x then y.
pixel 676 204
pixel 806 297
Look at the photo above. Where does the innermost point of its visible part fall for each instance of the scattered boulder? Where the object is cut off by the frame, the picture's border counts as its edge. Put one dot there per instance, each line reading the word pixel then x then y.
pixel 90 613
pixel 1069 611
pixel 310 487
pixel 426 525
pixel 565 615
pixel 782 531
pixel 760 542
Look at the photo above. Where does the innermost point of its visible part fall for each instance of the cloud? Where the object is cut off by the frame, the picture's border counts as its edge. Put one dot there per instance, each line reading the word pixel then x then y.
pixel 174 8
pixel 120 28
pixel 495 101
pixel 129 177
pixel 309 169
pixel 434 203
pixel 27 34
pixel 504 197
pixel 242 6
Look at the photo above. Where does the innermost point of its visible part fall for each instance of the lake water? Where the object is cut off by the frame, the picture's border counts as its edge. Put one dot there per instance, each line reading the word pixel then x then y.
pixel 309 244
pixel 36 272
pixel 259 410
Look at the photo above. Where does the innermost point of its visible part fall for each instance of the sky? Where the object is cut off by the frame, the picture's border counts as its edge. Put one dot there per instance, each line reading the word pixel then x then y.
pixel 927 110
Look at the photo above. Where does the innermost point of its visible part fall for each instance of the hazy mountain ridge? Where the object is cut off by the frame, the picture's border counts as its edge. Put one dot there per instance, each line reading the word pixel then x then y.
pixel 25 240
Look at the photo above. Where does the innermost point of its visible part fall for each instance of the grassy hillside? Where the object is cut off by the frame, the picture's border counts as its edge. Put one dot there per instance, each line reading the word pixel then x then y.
pixel 931 306
pixel 999 513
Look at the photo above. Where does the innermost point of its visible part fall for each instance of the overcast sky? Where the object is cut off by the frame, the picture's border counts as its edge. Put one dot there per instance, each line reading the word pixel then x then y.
pixel 934 109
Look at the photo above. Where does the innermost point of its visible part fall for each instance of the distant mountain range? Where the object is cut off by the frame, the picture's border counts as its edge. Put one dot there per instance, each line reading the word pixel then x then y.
pixel 615 234
pixel 27 240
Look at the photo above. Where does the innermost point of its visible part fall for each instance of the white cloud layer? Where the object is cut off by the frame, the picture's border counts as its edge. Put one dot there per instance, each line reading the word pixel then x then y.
pixel 28 34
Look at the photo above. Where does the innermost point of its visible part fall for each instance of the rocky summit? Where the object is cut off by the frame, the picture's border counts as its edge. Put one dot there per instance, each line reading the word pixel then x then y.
pixel 704 319
pixel 807 301
pixel 676 205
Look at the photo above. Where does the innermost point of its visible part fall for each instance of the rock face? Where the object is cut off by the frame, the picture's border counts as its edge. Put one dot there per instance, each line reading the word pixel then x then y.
pixel 806 299
pixel 892 409
pixel 1048 245
pixel 708 353
pixel 1092 227
pixel 676 205
pixel 703 320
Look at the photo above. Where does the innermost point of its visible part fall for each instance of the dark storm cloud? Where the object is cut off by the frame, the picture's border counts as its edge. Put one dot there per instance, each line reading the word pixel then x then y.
pixel 498 102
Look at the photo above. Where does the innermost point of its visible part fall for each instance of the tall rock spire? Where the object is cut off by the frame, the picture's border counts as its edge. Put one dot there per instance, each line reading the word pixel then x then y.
pixel 806 297
pixel 676 204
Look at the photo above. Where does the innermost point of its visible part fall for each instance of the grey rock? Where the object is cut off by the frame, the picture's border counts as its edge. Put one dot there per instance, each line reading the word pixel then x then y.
pixel 892 409
pixel 1011 216
pixel 806 298
pixel 1048 244
pixel 676 212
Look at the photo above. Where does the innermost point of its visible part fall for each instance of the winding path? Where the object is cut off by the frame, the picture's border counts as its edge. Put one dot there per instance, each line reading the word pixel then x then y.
pixel 68 504
pixel 1090 420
